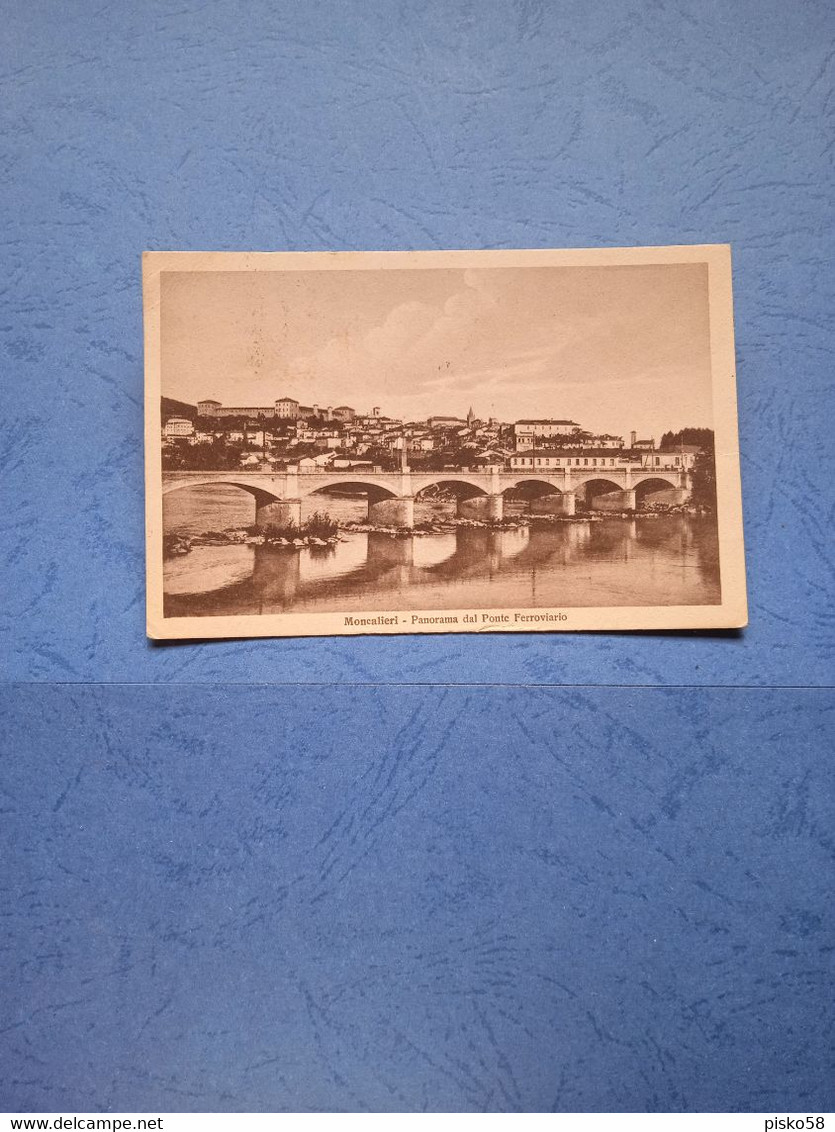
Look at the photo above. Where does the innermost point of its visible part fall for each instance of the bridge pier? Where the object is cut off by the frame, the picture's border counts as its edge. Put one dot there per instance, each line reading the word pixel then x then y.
pixel 488 508
pixel 277 495
pixel 282 513
pixel 393 551
pixel 276 576
pixel 614 501
pixel 393 512
pixel 563 504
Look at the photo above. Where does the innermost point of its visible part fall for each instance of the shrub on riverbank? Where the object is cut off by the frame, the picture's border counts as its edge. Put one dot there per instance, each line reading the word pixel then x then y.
pixel 319 525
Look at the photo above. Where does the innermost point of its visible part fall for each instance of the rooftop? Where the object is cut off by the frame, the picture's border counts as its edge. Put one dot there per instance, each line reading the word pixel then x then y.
pixel 558 453
pixel 546 420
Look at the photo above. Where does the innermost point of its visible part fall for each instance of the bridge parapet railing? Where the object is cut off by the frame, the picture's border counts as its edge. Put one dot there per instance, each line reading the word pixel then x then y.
pixel 378 473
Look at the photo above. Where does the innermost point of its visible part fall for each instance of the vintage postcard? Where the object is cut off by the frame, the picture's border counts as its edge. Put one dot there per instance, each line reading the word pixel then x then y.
pixel 424 442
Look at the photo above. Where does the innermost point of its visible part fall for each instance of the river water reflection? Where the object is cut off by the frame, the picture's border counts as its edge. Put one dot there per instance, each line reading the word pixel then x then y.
pixel 670 560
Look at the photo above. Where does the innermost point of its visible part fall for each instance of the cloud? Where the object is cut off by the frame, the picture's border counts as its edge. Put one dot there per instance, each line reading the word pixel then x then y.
pixel 604 348
pixel 416 342
pixel 402 330
pixel 470 339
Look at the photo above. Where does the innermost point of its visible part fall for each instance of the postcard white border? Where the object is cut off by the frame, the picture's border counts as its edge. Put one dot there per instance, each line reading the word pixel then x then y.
pixel 730 614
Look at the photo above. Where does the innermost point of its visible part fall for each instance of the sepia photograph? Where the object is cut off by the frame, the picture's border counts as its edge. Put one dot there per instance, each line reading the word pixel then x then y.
pixel 412 442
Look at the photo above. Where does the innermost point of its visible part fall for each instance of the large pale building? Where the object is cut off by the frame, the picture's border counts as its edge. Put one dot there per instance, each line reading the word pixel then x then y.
pixel 287 408
pixel 209 408
pixel 283 409
pixel 574 458
pixel 177 426
pixel 528 433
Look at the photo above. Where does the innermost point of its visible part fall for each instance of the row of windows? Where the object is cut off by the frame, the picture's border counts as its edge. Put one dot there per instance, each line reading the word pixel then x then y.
pixel 556 461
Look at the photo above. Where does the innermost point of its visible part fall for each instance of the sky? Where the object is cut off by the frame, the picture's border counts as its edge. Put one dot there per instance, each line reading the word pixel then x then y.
pixel 614 348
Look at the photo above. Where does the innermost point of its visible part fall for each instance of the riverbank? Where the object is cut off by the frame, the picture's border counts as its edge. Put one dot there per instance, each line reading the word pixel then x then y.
pixel 175 544
pixel 532 562
pixel 331 532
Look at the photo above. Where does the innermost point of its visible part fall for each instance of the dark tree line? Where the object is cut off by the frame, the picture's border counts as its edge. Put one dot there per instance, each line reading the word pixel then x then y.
pixel 701 436
pixel 704 479
pixel 217 457
pixel 704 467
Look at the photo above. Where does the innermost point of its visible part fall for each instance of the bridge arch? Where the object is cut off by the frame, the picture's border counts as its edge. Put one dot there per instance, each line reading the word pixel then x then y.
pixel 532 487
pixel 600 484
pixel 651 484
pixel 375 492
pixel 656 482
pixel 590 487
pixel 259 494
pixel 465 486
pixel 461 488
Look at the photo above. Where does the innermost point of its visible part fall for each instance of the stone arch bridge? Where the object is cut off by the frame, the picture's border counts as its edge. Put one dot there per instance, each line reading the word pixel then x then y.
pixel 480 494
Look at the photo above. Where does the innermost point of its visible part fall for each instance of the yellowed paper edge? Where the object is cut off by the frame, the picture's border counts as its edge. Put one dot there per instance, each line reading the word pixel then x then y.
pixel 732 613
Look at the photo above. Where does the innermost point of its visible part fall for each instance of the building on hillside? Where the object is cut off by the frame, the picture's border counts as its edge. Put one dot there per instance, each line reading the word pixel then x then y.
pixel 420 443
pixel 283 409
pixel 528 432
pixel 321 414
pixel 286 408
pixel 251 412
pixel 680 456
pixel 344 413
pixel 643 445
pixel 177 426
pixel 343 463
pixel 315 463
pixel 391 438
pixel 574 458
pixel 445 422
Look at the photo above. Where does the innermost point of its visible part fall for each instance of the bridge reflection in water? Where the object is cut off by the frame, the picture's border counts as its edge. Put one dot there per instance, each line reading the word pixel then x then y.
pixel 671 560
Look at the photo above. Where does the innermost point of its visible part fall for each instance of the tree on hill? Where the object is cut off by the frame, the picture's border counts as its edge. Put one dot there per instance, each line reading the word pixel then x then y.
pixel 216 457
pixel 704 466
pixel 704 480
pixel 701 436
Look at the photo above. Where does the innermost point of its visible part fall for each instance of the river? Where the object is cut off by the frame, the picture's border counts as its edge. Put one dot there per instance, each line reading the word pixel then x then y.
pixel 666 560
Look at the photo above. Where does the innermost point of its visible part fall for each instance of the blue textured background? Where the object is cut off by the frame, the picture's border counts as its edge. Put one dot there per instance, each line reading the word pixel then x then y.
pixel 607 899
pixel 384 897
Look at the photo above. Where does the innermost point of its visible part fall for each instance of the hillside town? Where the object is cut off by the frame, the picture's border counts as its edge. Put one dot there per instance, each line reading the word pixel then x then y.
pixel 315 438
